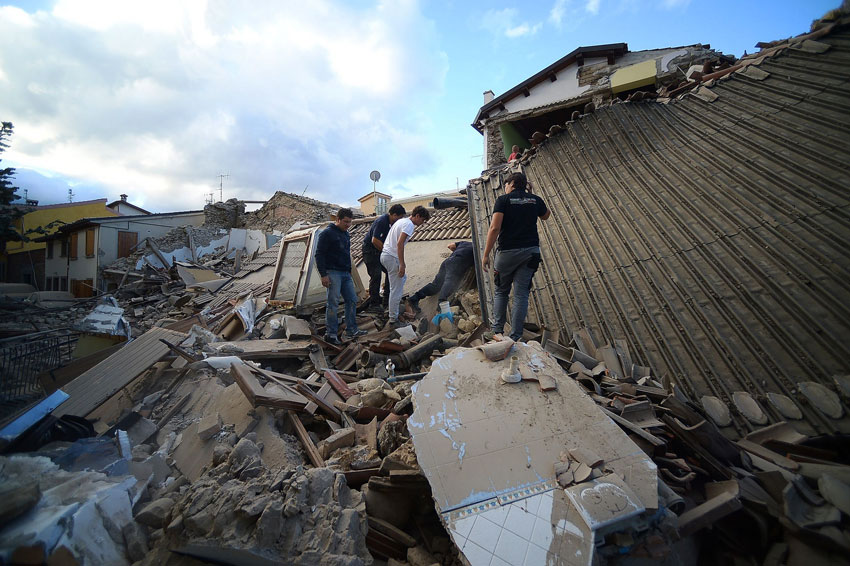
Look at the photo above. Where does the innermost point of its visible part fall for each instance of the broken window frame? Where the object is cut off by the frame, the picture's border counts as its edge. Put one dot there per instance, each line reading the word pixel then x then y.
pixel 302 300
pixel 296 237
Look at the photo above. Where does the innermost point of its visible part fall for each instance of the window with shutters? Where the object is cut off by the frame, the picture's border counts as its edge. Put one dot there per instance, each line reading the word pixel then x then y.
pixel 126 242
pixel 72 251
pixel 90 242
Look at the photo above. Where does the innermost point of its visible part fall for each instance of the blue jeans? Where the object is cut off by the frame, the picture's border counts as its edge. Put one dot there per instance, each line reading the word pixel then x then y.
pixel 341 284
pixel 513 268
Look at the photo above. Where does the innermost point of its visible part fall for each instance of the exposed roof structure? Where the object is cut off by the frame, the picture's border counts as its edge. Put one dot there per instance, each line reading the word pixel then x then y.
pixel 711 232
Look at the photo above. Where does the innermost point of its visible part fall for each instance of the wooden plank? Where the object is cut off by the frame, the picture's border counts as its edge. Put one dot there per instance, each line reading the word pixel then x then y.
pixel 191 358
pixel 262 349
pixel 317 356
pixel 192 247
pixel 390 530
pixel 356 478
pixel 301 432
pixel 249 384
pixel 92 388
pixel 284 379
pixel 158 253
pixel 326 407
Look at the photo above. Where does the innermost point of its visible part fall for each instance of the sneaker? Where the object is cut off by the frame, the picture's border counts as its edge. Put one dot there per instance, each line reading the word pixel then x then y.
pixel 377 308
pixel 356 333
pixel 332 340
pixel 394 324
pixel 414 304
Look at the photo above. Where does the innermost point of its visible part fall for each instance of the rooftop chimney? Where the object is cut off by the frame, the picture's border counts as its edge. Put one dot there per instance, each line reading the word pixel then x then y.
pixel 123 197
pixel 488 96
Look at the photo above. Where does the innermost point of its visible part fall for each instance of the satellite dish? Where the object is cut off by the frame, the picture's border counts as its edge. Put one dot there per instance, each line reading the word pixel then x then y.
pixel 375 176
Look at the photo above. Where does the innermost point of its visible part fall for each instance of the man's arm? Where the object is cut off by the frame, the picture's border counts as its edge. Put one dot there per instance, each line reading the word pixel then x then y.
pixel 401 239
pixel 492 235
pixel 546 215
pixel 320 259
pixel 379 245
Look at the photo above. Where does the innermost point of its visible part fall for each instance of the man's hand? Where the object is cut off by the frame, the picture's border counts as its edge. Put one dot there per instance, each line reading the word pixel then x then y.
pixel 401 270
pixel 326 281
pixel 485 263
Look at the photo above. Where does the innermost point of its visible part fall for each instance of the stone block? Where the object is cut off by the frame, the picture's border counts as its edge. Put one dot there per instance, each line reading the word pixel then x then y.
pixel 209 426
pixel 344 437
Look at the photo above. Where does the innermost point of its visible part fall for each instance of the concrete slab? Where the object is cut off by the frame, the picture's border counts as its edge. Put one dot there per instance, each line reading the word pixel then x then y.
pixel 485 445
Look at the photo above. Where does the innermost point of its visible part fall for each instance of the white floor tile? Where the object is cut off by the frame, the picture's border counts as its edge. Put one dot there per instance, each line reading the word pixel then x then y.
pixel 485 533
pixel 511 548
pixel 476 555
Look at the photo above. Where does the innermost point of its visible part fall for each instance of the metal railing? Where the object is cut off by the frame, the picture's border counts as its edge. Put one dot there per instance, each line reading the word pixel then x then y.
pixel 23 358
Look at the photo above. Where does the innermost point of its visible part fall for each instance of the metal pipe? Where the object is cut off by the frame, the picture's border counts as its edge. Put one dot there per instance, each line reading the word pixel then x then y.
pixel 411 356
pixel 439 203
pixel 369 358
pixel 407 377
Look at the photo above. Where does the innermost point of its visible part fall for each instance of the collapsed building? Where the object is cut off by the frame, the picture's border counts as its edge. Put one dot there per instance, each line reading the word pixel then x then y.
pixel 680 393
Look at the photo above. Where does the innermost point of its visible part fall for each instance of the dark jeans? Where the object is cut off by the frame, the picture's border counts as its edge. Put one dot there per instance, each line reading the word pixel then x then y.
pixel 342 285
pixel 513 268
pixel 372 259
pixel 446 282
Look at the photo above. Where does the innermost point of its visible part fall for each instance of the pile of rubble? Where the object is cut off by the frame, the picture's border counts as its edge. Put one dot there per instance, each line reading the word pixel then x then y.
pixel 229 431
pixel 283 210
pixel 228 214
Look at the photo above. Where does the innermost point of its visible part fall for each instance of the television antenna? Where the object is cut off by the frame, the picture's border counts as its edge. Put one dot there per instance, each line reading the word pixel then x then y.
pixel 70 194
pixel 221 179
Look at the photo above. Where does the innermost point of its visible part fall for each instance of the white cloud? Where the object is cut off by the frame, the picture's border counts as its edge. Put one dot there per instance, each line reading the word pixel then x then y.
pixel 157 98
pixel 592 6
pixel 556 14
pixel 504 22
pixel 523 29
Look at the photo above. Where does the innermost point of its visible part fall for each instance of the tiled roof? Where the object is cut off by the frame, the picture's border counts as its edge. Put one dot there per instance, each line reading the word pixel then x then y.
pixel 710 233
pixel 445 224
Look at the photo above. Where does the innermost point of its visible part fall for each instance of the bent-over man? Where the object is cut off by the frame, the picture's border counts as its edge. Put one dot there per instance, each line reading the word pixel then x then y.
pixel 448 277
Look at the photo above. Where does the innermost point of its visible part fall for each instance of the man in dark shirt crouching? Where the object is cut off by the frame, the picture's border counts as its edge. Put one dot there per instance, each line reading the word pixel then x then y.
pixel 448 277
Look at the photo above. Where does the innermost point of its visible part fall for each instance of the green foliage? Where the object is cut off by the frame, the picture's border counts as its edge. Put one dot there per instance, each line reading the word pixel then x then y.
pixel 8 194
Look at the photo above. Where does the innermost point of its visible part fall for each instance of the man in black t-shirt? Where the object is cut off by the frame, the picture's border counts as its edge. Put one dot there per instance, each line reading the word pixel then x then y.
pixel 448 277
pixel 514 223
pixel 373 243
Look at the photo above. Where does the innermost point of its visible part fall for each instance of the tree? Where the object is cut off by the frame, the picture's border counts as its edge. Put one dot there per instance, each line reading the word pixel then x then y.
pixel 8 194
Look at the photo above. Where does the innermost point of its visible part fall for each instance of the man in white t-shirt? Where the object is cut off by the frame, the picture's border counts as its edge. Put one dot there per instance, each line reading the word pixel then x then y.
pixel 392 256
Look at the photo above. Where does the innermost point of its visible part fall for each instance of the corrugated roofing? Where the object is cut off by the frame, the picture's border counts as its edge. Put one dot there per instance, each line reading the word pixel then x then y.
pixel 714 237
pixel 268 257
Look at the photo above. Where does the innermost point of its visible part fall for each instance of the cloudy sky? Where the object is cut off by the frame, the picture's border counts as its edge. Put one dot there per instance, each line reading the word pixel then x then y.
pixel 156 98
